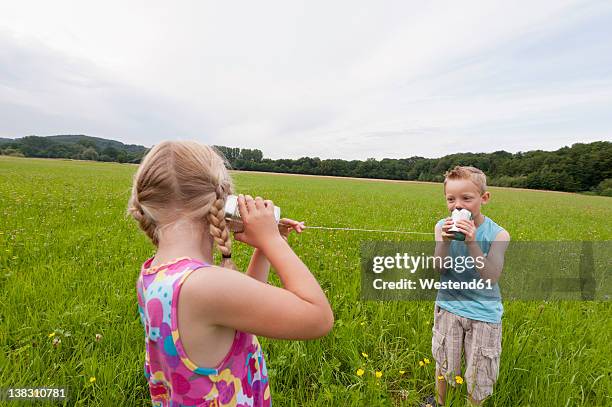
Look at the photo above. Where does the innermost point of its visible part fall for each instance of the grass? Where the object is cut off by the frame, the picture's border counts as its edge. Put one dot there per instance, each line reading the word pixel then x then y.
pixel 69 259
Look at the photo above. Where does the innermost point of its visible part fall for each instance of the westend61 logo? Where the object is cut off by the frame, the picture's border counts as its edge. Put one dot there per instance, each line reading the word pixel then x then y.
pixel 412 264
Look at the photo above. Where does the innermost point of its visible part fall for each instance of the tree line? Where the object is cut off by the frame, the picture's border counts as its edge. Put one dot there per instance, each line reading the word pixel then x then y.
pixel 579 168
pixel 583 167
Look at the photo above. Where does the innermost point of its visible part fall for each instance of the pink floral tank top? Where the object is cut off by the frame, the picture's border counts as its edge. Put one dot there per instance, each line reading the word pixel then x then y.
pixel 241 379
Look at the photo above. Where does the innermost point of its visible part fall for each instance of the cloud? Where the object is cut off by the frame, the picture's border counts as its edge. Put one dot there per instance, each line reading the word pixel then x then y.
pixel 45 91
pixel 336 80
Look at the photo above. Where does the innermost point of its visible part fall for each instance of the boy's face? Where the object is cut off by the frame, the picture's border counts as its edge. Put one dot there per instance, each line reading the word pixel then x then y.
pixel 464 194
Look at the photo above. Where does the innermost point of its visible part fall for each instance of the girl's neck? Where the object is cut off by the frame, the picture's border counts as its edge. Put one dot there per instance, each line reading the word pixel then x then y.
pixel 184 239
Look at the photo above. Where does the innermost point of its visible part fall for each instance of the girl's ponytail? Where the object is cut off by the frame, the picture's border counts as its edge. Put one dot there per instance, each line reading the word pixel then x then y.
pixel 218 227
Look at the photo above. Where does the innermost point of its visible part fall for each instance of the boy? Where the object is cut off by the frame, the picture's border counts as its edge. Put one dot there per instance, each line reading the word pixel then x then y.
pixel 469 319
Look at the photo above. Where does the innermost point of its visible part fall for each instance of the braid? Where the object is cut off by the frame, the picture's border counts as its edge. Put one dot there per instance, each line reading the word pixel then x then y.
pixel 146 222
pixel 218 227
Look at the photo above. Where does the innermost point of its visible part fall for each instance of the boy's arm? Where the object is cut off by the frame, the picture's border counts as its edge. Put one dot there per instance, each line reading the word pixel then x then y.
pixel 442 244
pixel 494 261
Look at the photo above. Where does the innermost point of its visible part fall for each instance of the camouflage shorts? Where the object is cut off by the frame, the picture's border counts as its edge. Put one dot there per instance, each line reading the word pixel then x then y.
pixel 481 344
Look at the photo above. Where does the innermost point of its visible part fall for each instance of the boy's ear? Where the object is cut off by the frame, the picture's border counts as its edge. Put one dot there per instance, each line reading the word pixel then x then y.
pixel 485 197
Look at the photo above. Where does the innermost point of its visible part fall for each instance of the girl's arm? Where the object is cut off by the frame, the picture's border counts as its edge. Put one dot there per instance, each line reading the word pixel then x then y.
pixel 259 266
pixel 298 310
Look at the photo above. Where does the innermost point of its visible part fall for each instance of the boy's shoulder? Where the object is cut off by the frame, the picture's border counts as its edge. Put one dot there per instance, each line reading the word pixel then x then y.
pixel 496 228
pixel 494 223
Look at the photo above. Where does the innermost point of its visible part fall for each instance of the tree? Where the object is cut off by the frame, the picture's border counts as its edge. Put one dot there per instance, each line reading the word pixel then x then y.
pixel 605 187
pixel 89 154
pixel 110 153
pixel 251 155
pixel 87 143
pixel 11 152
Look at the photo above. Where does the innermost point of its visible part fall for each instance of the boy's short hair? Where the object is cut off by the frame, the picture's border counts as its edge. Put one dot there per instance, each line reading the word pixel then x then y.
pixel 470 173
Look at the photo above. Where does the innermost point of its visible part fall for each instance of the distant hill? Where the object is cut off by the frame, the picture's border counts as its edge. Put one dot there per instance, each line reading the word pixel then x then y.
pixel 76 146
pixel 101 143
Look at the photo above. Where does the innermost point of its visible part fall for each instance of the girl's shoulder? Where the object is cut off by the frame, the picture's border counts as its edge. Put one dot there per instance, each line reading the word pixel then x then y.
pixel 150 266
pixel 209 279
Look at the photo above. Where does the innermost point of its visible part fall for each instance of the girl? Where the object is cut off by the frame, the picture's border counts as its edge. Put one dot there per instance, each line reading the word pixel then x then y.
pixel 201 347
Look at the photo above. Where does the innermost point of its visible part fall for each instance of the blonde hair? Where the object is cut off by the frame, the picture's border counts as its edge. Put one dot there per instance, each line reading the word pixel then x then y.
pixel 183 179
pixel 470 173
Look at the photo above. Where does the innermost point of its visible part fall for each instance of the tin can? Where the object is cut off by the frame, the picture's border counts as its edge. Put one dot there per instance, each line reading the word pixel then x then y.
pixel 232 214
pixel 459 214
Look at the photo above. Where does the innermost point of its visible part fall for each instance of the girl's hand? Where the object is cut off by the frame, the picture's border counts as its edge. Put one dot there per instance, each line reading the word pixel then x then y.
pixel 260 227
pixel 446 235
pixel 285 226
pixel 468 228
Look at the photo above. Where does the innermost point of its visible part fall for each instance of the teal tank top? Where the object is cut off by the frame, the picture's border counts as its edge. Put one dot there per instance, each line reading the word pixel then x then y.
pixel 481 305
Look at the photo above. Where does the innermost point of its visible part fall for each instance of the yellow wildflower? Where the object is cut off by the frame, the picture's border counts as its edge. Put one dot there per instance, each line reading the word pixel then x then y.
pixel 365 355
pixel 421 363
pixel 402 371
pixel 92 379
pixel 360 372
pixel 426 361
pixel 459 379
pixel 52 334
pixel 440 377
pixel 378 374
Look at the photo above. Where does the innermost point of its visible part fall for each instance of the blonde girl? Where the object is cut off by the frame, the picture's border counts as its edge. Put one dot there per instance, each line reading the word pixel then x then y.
pixel 201 320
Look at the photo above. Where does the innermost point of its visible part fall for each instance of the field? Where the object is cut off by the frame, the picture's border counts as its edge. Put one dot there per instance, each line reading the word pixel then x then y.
pixel 69 259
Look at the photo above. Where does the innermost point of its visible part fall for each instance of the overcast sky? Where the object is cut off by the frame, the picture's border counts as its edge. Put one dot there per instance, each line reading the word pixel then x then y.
pixel 334 79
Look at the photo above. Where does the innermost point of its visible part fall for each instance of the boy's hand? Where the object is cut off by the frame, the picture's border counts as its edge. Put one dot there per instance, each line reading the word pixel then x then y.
pixel 468 228
pixel 446 236
pixel 285 226
pixel 257 217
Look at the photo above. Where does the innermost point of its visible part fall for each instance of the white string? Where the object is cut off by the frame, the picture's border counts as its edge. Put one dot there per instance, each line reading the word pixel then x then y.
pixel 369 230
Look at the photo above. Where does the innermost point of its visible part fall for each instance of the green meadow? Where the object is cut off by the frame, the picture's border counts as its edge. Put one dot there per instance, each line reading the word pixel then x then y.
pixel 69 259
